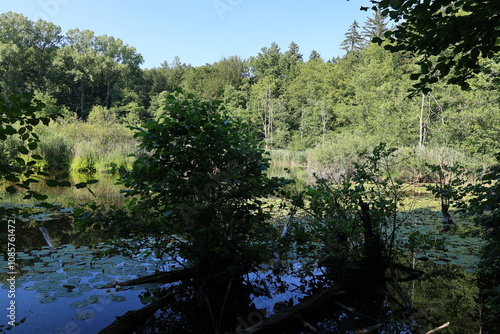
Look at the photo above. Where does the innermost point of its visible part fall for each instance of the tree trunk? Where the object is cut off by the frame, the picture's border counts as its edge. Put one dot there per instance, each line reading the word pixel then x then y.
pixel 447 221
pixel 421 124
pixel 372 282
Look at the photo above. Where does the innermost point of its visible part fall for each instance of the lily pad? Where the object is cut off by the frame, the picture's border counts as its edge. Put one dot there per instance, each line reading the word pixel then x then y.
pixel 93 299
pixel 84 315
pixel 48 300
pixel 48 288
pixel 85 288
pixel 79 304
pixel 69 294
pixel 115 298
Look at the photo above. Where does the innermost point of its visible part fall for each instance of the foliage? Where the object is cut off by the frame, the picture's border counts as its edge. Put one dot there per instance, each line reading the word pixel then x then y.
pixel 450 36
pixel 448 179
pixel 292 103
pixel 353 39
pixel 484 205
pixel 200 185
pixel 356 222
pixel 19 116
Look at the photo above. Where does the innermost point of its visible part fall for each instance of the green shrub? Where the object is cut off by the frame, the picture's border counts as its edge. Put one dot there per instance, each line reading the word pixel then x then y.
pixel 200 186
pixel 336 156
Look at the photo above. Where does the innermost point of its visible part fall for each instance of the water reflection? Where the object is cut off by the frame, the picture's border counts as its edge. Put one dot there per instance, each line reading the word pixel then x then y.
pixel 106 191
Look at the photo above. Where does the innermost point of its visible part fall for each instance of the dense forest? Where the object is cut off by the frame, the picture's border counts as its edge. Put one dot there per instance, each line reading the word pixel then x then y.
pixel 398 115
pixel 334 106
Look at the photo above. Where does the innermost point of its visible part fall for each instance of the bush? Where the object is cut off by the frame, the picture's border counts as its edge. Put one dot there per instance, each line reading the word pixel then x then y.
pixel 203 174
pixel 200 187
pixel 337 156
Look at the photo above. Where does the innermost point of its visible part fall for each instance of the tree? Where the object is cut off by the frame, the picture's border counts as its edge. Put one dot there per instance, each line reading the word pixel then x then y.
pixel 353 40
pixel 315 55
pixel 375 27
pixel 90 67
pixel 449 37
pixel 292 59
pixel 26 52
pixel 268 62
pixel 199 191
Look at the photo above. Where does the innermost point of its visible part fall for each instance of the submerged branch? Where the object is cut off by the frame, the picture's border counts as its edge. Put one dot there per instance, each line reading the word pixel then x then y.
pixel 46 236
pixel 294 316
pixel 128 322
pixel 161 277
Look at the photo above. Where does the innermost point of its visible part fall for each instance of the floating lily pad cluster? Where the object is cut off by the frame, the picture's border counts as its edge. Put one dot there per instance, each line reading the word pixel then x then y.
pixel 70 272
pixel 459 248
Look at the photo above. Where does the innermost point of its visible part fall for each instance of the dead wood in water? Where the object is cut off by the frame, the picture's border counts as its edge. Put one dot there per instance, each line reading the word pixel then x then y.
pixel 129 322
pixel 294 317
pixel 161 277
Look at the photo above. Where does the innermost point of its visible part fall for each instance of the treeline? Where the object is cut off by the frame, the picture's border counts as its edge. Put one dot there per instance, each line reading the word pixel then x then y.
pixel 333 106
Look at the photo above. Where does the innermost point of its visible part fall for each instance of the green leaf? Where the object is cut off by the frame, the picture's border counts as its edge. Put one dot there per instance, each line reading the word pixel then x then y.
pixel 52 183
pixel 11 189
pixel 33 145
pixel 39 196
pixel 23 150
pixel 62 176
pixel 64 184
pixel 11 178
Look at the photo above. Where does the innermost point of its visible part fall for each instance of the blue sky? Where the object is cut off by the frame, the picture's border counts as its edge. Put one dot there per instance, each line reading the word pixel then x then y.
pixel 204 31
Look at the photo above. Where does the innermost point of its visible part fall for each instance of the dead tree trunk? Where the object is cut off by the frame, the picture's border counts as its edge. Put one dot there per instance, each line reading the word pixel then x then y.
pixel 372 282
pixel 447 221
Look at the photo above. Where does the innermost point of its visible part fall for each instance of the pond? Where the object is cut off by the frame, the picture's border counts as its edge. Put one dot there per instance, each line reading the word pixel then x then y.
pixel 69 282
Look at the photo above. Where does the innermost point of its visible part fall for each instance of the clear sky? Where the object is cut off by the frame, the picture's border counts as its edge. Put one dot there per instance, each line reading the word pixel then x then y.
pixel 204 31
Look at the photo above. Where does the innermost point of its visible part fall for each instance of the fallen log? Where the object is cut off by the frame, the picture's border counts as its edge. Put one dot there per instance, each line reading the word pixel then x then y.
pixel 129 322
pixel 161 277
pixel 293 317
pixel 438 328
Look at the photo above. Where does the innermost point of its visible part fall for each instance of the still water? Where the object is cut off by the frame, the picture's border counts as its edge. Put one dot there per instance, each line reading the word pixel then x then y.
pixel 68 283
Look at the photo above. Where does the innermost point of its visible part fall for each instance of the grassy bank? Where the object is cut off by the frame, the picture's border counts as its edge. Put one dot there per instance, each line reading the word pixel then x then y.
pixel 85 146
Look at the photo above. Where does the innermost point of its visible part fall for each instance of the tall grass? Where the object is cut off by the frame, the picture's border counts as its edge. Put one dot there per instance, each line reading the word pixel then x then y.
pixel 337 157
pixel 86 146
pixel 288 157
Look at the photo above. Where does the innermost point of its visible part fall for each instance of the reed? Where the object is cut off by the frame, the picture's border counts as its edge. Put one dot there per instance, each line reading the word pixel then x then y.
pixel 288 157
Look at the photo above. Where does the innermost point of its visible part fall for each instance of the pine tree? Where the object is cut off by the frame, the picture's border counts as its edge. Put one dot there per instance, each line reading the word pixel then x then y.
pixel 375 27
pixel 315 55
pixel 353 40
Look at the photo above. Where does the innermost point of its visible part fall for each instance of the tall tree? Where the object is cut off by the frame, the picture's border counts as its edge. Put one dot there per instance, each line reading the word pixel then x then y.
pixel 76 62
pixel 91 66
pixel 353 40
pixel 375 26
pixel 291 61
pixel 268 62
pixel 26 52
pixel 315 55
